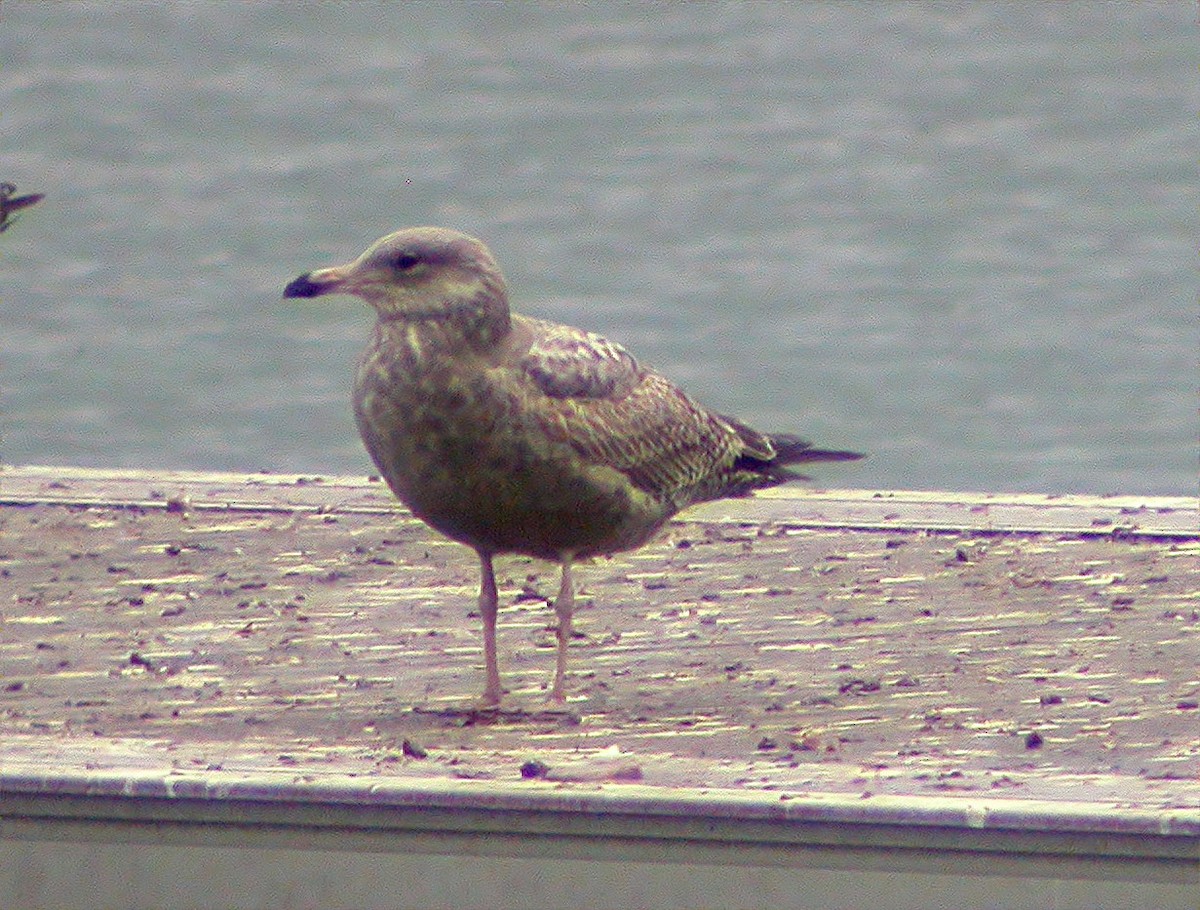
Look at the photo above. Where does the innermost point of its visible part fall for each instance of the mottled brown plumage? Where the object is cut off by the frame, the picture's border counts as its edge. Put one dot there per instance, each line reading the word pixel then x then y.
pixel 514 435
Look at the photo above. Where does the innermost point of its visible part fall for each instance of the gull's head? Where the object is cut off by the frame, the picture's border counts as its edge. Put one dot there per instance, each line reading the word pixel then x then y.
pixel 419 273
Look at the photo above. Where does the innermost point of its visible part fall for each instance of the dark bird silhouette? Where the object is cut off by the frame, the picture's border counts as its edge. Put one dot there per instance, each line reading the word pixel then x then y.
pixel 10 204
pixel 514 435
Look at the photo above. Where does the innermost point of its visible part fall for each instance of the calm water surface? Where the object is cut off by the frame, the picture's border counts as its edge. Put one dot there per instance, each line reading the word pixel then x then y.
pixel 958 237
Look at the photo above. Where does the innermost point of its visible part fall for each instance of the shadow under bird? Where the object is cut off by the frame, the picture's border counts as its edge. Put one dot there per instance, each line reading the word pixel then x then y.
pixel 514 435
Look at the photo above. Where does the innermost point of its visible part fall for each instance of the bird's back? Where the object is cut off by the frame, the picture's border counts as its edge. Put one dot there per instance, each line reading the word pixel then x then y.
pixel 551 440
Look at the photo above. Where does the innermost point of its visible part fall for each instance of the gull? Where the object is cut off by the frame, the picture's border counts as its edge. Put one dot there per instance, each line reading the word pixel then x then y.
pixel 514 435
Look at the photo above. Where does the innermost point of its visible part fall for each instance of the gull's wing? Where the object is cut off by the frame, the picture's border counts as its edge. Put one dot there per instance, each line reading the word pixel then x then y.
pixel 565 362
pixel 590 393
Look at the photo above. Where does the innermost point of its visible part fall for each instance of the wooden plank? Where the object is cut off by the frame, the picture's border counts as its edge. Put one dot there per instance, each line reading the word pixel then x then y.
pixel 811 668
pixel 870 509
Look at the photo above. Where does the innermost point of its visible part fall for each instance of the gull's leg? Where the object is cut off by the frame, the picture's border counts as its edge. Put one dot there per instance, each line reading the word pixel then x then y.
pixel 489 602
pixel 564 605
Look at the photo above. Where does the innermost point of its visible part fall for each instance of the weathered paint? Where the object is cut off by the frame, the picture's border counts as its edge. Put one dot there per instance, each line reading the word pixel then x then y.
pixel 911 682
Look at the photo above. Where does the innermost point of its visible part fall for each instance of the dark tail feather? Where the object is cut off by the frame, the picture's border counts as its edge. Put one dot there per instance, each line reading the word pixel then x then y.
pixel 790 450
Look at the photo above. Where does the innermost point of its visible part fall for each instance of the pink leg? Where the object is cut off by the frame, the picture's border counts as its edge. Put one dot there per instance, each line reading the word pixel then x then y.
pixel 564 605
pixel 489 602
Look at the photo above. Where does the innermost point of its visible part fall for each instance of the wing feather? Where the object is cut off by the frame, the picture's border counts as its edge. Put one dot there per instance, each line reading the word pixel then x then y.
pixel 597 399
pixel 565 362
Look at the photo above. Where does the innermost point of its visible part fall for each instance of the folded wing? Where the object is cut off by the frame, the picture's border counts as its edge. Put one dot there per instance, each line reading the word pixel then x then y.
pixel 597 399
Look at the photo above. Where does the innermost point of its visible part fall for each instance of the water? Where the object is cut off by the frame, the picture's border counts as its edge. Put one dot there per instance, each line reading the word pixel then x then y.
pixel 958 237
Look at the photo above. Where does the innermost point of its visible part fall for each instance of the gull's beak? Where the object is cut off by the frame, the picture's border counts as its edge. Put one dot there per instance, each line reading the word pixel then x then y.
pixel 322 281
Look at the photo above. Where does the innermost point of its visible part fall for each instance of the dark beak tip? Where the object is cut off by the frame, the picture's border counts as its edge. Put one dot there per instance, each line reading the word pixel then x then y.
pixel 302 287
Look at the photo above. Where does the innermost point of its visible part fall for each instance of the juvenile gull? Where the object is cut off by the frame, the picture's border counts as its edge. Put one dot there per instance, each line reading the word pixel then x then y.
pixel 515 435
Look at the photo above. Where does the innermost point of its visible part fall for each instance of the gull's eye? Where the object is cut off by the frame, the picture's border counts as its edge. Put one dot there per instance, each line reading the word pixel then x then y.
pixel 404 261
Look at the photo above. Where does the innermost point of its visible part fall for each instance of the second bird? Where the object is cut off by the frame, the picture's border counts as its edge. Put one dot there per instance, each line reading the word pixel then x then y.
pixel 515 435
